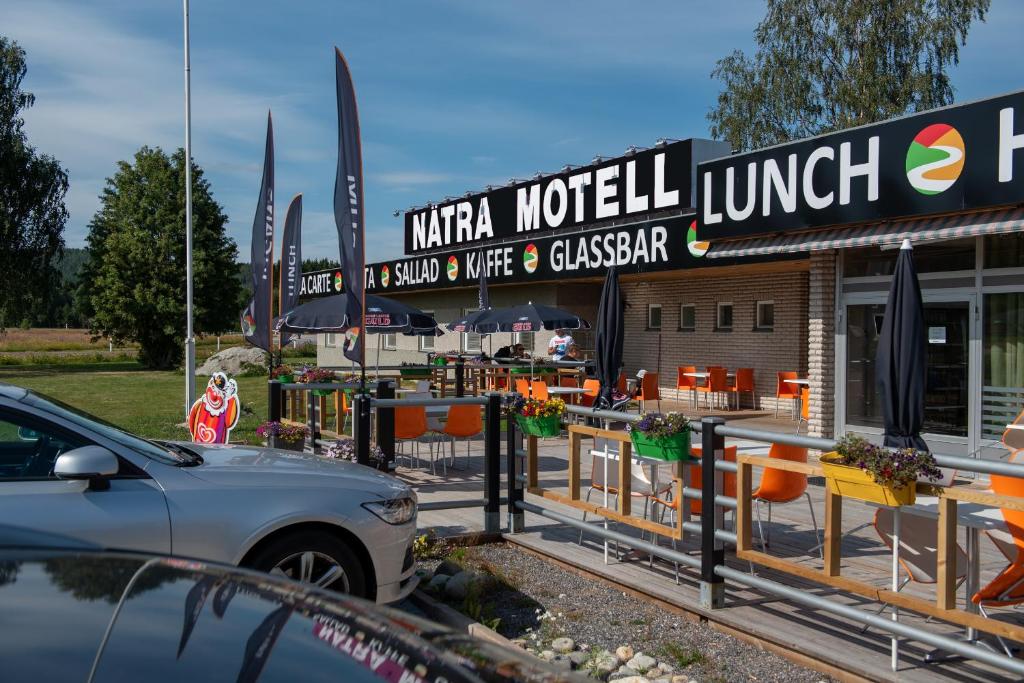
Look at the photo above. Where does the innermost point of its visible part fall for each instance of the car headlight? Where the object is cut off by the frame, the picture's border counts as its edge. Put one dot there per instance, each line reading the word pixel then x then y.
pixel 393 511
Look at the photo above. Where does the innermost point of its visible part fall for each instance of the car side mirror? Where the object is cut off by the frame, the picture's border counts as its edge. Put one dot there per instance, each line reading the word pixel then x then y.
pixel 93 463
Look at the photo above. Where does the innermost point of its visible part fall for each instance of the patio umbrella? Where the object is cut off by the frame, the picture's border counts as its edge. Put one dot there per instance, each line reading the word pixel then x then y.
pixel 610 331
pixel 383 315
pixel 901 359
pixel 528 317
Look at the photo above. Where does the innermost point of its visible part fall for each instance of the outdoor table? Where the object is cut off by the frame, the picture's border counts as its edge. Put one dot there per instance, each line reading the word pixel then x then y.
pixel 567 390
pixel 800 381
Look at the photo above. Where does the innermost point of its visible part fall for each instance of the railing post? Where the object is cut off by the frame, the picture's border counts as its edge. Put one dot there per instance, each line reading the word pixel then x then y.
pixel 386 425
pixel 311 423
pixel 712 551
pixel 274 394
pixel 361 427
pixel 513 471
pixel 460 378
pixel 492 464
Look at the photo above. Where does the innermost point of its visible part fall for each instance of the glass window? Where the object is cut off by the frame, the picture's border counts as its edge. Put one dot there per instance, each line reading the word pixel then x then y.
pixel 687 317
pixel 654 316
pixel 1004 251
pixel 765 315
pixel 427 343
pixel 723 320
pixel 946 396
pixel 390 341
pixel 929 258
pixel 1003 350
pixel 29 448
pixel 330 340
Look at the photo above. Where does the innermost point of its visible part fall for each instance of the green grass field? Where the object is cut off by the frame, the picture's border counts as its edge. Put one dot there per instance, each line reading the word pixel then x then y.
pixel 144 402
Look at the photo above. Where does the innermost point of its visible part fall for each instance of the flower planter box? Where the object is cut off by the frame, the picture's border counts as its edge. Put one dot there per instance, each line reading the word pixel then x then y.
pixel 853 482
pixel 323 392
pixel 550 425
pixel 281 444
pixel 421 373
pixel 285 379
pixel 675 447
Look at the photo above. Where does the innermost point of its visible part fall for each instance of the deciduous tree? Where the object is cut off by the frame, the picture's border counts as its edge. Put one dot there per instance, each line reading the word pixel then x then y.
pixel 32 213
pixel 135 278
pixel 824 65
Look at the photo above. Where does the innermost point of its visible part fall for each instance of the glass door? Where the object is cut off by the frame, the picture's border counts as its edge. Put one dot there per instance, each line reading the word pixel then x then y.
pixel 948 407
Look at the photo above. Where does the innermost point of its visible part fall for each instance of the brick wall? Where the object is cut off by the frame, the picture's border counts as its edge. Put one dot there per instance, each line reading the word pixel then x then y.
pixel 783 348
pixel 821 343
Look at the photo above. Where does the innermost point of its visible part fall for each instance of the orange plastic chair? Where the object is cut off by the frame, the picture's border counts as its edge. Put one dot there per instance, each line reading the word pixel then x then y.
pixel 410 425
pixel 717 383
pixel 464 422
pixel 785 389
pixel 498 379
pixel 523 387
pixel 593 388
pixel 728 478
pixel 340 411
pixel 780 487
pixel 688 383
pixel 540 390
pixel 649 390
pixel 744 385
pixel 1013 439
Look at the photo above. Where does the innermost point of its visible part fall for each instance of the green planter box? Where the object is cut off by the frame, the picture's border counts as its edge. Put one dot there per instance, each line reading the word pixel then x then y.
pixel 324 392
pixel 285 379
pixel 415 372
pixel 675 447
pixel 540 426
pixel 283 445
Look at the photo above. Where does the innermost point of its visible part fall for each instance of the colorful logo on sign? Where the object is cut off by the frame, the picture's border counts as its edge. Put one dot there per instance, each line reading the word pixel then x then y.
pixel 453 268
pixel 935 159
pixel 385 276
pixel 337 281
pixel 696 247
pixel 530 257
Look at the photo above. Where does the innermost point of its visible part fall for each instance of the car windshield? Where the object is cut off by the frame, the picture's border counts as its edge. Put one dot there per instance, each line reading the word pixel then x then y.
pixel 165 453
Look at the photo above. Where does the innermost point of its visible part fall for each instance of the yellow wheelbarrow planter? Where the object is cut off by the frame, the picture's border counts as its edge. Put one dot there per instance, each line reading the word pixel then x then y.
pixel 853 482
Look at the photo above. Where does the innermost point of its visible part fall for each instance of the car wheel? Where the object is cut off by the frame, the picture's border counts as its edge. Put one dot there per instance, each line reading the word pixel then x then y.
pixel 316 558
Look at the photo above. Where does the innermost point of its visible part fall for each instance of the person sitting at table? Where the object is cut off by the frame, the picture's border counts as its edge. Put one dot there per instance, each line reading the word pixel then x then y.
pixel 504 352
pixel 559 344
pixel 572 353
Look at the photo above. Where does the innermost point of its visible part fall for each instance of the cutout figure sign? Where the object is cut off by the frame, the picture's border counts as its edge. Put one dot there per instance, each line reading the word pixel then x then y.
pixel 215 413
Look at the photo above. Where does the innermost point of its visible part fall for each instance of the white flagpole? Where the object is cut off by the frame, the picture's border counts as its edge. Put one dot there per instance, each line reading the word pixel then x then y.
pixel 190 341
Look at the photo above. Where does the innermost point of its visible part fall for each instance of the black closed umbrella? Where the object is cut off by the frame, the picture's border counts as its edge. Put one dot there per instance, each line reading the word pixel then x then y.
pixel 901 361
pixel 383 315
pixel 610 332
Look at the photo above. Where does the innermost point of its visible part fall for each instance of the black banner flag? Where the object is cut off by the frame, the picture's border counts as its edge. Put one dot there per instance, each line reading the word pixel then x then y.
pixel 257 318
pixel 291 262
pixel 348 210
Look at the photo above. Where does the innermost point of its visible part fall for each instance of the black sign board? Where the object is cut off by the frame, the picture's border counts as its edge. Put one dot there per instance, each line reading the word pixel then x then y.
pixel 645 182
pixel 669 244
pixel 946 160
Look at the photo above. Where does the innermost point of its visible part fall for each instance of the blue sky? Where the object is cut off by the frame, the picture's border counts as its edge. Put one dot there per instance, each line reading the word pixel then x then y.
pixel 453 95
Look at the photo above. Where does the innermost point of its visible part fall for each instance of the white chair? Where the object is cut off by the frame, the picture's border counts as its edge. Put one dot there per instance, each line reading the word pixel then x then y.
pixel 640 485
pixel 919 556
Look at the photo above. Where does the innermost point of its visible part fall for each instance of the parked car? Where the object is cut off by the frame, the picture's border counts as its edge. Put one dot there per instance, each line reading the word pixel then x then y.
pixel 335 524
pixel 74 614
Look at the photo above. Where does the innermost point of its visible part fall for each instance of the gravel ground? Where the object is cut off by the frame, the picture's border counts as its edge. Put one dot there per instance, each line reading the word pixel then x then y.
pixel 537 601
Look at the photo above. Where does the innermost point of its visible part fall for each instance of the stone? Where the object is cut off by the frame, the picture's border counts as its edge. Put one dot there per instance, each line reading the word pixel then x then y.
pixel 437 583
pixel 563 645
pixel 666 667
pixel 232 361
pixel 603 664
pixel 457 587
pixel 654 673
pixel 578 659
pixel 624 653
pixel 561 662
pixel 631 679
pixel 448 568
pixel 626 671
pixel 521 643
pixel 642 663
pixel 680 679
pixel 547 655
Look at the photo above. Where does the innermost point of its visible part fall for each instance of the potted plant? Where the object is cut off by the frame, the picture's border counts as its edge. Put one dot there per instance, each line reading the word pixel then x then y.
pixel 858 469
pixel 283 374
pixel 665 437
pixel 318 376
pixel 414 372
pixel 285 436
pixel 345 449
pixel 539 418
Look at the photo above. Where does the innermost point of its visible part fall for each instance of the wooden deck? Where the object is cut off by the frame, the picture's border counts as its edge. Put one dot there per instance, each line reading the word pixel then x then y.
pixel 834 644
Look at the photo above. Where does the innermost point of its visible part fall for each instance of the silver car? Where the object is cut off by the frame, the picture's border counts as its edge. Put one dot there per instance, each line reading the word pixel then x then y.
pixel 335 524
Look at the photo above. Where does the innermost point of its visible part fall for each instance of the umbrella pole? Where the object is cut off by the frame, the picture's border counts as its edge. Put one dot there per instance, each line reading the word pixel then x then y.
pixel 895 644
pixel 378 355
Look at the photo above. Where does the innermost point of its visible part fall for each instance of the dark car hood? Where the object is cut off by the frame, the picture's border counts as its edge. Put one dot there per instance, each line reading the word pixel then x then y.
pixel 174 620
